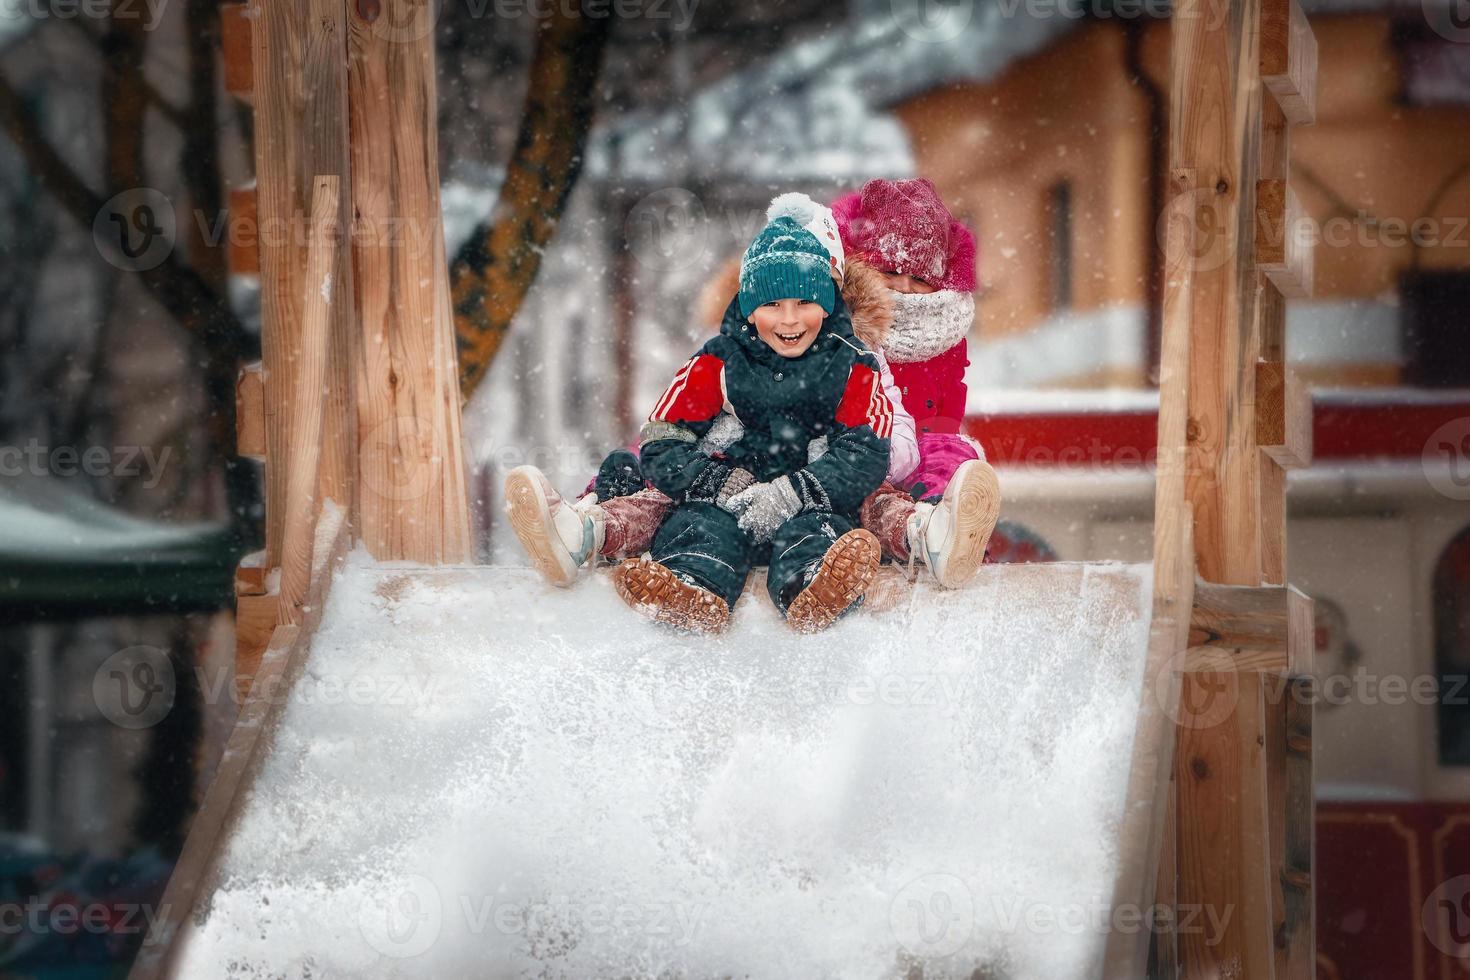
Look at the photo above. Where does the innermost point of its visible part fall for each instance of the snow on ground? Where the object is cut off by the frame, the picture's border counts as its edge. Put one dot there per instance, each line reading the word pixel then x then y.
pixel 480 776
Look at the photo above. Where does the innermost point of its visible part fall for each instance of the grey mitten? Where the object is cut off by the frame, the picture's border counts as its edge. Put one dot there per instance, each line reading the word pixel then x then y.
pixel 763 508
pixel 724 433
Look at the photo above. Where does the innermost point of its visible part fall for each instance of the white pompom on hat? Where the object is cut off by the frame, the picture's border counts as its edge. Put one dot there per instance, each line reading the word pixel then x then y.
pixel 816 219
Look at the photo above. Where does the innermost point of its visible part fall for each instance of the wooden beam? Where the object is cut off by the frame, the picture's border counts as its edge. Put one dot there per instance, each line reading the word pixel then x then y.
pixel 299 56
pixel 250 574
pixel 243 221
pixel 235 44
pixel 1289 59
pixel 196 873
pixel 1298 869
pixel 308 387
pixel 1267 629
pixel 1148 832
pixel 208 831
pixel 1283 253
pixel 250 439
pixel 1283 415
pixel 1224 847
pixel 256 618
pixel 1273 522
pixel 414 500
pixel 1214 139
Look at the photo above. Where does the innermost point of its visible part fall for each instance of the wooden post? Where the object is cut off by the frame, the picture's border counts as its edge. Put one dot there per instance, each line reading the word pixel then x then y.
pixel 308 386
pixel 299 58
pixel 413 502
pixel 1238 84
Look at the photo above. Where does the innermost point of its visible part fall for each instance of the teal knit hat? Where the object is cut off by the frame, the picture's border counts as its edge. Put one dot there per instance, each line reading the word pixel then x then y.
pixel 785 262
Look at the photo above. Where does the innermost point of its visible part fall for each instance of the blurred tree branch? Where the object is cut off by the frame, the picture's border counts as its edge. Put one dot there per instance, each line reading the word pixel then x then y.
pixel 495 268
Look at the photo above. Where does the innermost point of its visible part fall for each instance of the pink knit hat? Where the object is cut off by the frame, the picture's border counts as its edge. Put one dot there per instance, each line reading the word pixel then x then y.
pixel 903 226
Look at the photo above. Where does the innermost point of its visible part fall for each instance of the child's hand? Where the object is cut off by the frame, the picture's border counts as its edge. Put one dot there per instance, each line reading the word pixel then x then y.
pixel 765 507
pixel 738 480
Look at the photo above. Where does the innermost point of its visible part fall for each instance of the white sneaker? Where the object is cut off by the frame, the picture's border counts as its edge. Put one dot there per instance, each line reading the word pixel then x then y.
pixel 950 537
pixel 559 537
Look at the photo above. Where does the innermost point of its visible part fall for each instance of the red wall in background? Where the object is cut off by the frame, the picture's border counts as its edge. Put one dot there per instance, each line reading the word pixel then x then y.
pixel 1378 865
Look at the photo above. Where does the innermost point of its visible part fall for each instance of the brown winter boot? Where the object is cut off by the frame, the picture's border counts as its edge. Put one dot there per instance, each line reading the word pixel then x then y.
pixel 656 592
pixel 846 571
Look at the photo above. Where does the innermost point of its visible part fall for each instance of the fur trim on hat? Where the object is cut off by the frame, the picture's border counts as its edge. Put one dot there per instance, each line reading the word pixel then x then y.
pixel 714 298
pixel 869 303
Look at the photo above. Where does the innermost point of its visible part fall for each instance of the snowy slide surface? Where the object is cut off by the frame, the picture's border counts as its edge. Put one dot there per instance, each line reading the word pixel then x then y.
pixel 477 775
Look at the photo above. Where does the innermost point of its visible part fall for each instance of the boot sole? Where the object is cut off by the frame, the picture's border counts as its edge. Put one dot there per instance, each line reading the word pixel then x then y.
pixel 662 596
pixel 974 494
pixel 530 519
pixel 847 570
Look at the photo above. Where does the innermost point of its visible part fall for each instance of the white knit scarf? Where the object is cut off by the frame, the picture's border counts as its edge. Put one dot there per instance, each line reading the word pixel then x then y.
pixel 926 325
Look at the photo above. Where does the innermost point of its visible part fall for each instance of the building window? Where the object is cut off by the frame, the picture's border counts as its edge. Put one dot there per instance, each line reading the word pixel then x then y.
pixel 1452 650
pixel 1433 310
pixel 1059 230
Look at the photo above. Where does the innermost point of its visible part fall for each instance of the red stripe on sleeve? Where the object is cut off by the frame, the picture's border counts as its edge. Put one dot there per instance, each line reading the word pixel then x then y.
pixel 695 395
pixel 864 403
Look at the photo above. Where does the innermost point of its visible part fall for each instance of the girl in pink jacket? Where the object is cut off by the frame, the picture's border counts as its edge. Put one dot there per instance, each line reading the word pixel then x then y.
pixel 944 511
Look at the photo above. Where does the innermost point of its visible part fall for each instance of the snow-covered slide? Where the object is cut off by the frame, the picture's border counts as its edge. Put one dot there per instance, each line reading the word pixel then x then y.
pixel 476 775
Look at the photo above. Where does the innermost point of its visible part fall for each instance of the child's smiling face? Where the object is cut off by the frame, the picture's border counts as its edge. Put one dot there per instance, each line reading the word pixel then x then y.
pixel 788 326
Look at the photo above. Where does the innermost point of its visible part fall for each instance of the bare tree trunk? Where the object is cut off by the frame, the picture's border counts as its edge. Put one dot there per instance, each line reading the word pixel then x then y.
pixel 494 270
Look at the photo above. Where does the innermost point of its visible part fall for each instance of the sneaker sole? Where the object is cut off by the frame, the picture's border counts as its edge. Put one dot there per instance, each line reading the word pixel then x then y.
pixel 530 519
pixel 662 596
pixel 847 570
pixel 976 505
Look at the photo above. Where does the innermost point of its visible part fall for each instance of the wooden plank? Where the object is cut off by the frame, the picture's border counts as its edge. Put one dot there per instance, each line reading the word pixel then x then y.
pixel 197 871
pixel 250 439
pixel 299 55
pixel 250 574
pixel 414 502
pixel 1299 862
pixel 1224 848
pixel 1147 833
pixel 243 252
pixel 308 386
pixel 256 618
pixel 1246 629
pixel 208 832
pixel 1273 522
pixel 239 73
pixel 1214 137
pixel 1267 629
pixel 1165 964
pixel 1283 253
pixel 1283 415
pixel 1275 719
pixel 1289 59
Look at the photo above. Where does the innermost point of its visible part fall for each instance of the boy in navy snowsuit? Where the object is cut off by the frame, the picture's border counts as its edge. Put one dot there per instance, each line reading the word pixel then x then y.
pixel 815 444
